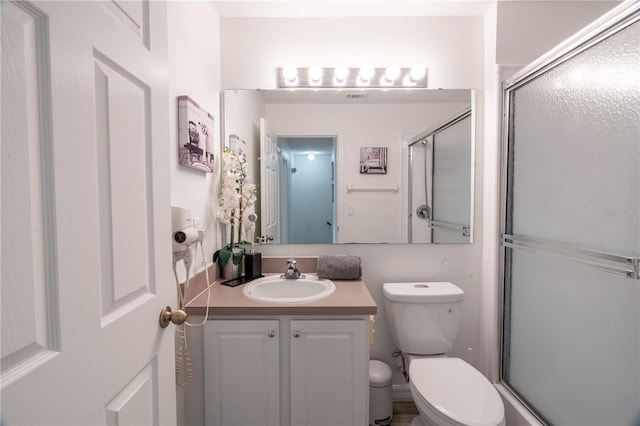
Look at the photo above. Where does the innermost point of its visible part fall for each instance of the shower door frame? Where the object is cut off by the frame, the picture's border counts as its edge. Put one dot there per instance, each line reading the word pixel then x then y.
pixel 611 23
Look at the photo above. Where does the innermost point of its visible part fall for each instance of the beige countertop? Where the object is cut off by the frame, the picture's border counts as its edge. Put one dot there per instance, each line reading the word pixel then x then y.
pixel 349 298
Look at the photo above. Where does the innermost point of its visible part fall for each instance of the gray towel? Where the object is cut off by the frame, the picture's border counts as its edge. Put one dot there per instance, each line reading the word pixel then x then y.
pixel 339 267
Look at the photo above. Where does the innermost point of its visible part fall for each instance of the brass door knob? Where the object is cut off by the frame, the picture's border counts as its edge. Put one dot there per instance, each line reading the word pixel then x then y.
pixel 166 316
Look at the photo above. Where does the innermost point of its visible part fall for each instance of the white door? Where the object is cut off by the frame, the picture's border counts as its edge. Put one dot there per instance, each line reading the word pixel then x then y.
pixel 85 214
pixel 269 181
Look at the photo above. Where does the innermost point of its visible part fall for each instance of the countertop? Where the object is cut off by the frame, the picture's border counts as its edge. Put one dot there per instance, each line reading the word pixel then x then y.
pixel 349 298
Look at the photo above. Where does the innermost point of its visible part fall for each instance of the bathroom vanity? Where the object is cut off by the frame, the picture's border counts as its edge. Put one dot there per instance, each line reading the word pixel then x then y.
pixel 286 364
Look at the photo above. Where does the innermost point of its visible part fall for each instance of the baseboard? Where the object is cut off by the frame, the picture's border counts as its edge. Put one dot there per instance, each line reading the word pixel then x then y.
pixel 399 392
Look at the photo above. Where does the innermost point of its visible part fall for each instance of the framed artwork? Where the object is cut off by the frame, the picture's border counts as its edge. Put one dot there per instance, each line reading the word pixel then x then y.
pixel 238 147
pixel 373 160
pixel 195 139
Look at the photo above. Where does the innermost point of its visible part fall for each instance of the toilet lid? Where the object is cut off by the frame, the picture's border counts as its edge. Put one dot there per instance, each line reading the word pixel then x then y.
pixel 454 389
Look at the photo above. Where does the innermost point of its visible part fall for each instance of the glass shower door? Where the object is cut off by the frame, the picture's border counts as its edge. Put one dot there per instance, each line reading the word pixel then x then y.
pixel 571 330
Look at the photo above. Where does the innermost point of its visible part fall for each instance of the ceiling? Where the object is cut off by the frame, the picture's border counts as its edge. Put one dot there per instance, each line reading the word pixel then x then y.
pixel 353 8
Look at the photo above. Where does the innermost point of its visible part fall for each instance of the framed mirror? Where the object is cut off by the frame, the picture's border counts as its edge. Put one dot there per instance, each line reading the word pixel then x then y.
pixel 357 166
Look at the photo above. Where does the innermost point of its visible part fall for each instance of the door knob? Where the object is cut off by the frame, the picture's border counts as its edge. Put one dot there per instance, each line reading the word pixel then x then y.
pixel 166 316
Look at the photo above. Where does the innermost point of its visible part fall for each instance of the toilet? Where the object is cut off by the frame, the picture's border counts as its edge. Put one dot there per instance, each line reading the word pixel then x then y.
pixel 423 318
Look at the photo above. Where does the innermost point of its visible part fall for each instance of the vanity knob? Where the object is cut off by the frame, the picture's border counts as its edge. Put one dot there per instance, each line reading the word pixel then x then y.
pixel 297 334
pixel 271 333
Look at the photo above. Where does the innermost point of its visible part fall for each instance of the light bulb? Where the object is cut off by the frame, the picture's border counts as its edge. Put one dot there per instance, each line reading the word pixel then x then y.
pixel 340 74
pixel 392 73
pixel 311 157
pixel 366 73
pixel 290 73
pixel 418 71
pixel 315 74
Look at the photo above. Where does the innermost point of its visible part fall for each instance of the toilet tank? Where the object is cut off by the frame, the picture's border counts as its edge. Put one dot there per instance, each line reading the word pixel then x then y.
pixel 423 316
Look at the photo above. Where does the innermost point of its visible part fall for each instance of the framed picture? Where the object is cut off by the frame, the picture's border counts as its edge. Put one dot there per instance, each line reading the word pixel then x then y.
pixel 195 139
pixel 373 160
pixel 238 147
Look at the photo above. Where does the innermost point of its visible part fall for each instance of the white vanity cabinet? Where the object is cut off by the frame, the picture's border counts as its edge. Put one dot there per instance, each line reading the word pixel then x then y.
pixel 287 371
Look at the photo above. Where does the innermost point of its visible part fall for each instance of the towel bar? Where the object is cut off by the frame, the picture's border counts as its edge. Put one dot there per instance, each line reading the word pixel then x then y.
pixel 393 189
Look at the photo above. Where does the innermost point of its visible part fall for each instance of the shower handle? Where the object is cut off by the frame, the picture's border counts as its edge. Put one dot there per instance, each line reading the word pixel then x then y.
pixel 424 212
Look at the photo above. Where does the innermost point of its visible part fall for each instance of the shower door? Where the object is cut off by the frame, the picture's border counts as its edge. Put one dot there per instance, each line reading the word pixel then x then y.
pixel 571 229
pixel 441 182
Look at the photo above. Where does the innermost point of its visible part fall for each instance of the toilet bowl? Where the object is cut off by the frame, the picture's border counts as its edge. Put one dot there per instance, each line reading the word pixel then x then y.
pixel 423 319
pixel 450 392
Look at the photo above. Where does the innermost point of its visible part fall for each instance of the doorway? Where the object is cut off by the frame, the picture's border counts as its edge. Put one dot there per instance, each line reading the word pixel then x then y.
pixel 307 189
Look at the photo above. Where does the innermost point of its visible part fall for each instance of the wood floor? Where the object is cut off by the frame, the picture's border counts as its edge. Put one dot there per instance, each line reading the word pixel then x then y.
pixel 403 412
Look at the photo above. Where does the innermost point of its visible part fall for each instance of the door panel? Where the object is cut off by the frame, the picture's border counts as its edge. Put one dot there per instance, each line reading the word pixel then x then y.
pixel 133 405
pixel 122 119
pixel 242 372
pixel 85 214
pixel 329 368
pixel 30 324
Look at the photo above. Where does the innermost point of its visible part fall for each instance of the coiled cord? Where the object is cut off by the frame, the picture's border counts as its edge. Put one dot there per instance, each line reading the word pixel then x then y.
pixel 184 368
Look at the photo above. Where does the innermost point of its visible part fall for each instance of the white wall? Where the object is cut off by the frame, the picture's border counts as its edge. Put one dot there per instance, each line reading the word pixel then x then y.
pixel 194 70
pixel 528 29
pixel 452 48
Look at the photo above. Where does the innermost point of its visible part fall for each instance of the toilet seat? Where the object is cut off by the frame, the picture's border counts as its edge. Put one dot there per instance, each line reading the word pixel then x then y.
pixel 454 393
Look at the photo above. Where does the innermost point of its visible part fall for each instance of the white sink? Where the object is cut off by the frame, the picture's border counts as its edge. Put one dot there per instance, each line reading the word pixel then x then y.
pixel 281 290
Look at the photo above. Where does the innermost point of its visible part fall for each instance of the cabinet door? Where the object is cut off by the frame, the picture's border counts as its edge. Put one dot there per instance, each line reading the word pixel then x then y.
pixel 242 373
pixel 329 372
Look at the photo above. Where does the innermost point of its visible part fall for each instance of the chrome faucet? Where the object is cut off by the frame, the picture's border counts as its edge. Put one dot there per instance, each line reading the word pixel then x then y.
pixel 292 272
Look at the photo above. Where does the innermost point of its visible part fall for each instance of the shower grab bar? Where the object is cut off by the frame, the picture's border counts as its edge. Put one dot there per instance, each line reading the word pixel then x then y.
pixel 464 229
pixel 393 189
pixel 626 266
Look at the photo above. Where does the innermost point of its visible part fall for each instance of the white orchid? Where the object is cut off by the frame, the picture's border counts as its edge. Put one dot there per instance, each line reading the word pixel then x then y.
pixel 236 195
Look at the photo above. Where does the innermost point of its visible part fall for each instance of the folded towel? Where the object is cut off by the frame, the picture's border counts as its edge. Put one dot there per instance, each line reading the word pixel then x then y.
pixel 339 267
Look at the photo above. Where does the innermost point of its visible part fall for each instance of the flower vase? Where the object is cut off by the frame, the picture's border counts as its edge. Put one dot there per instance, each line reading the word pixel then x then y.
pixel 230 271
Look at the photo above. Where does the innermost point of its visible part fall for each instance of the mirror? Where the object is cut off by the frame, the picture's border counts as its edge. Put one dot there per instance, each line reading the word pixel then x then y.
pixel 357 166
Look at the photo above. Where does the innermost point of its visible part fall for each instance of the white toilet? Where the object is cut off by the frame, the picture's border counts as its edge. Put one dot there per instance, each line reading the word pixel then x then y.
pixel 423 318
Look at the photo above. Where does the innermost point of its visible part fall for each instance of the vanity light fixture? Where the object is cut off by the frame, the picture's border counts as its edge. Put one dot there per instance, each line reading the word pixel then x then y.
pixel 316 76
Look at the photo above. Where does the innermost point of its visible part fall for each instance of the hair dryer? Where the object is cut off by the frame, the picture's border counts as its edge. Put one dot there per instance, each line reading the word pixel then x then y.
pixel 183 232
